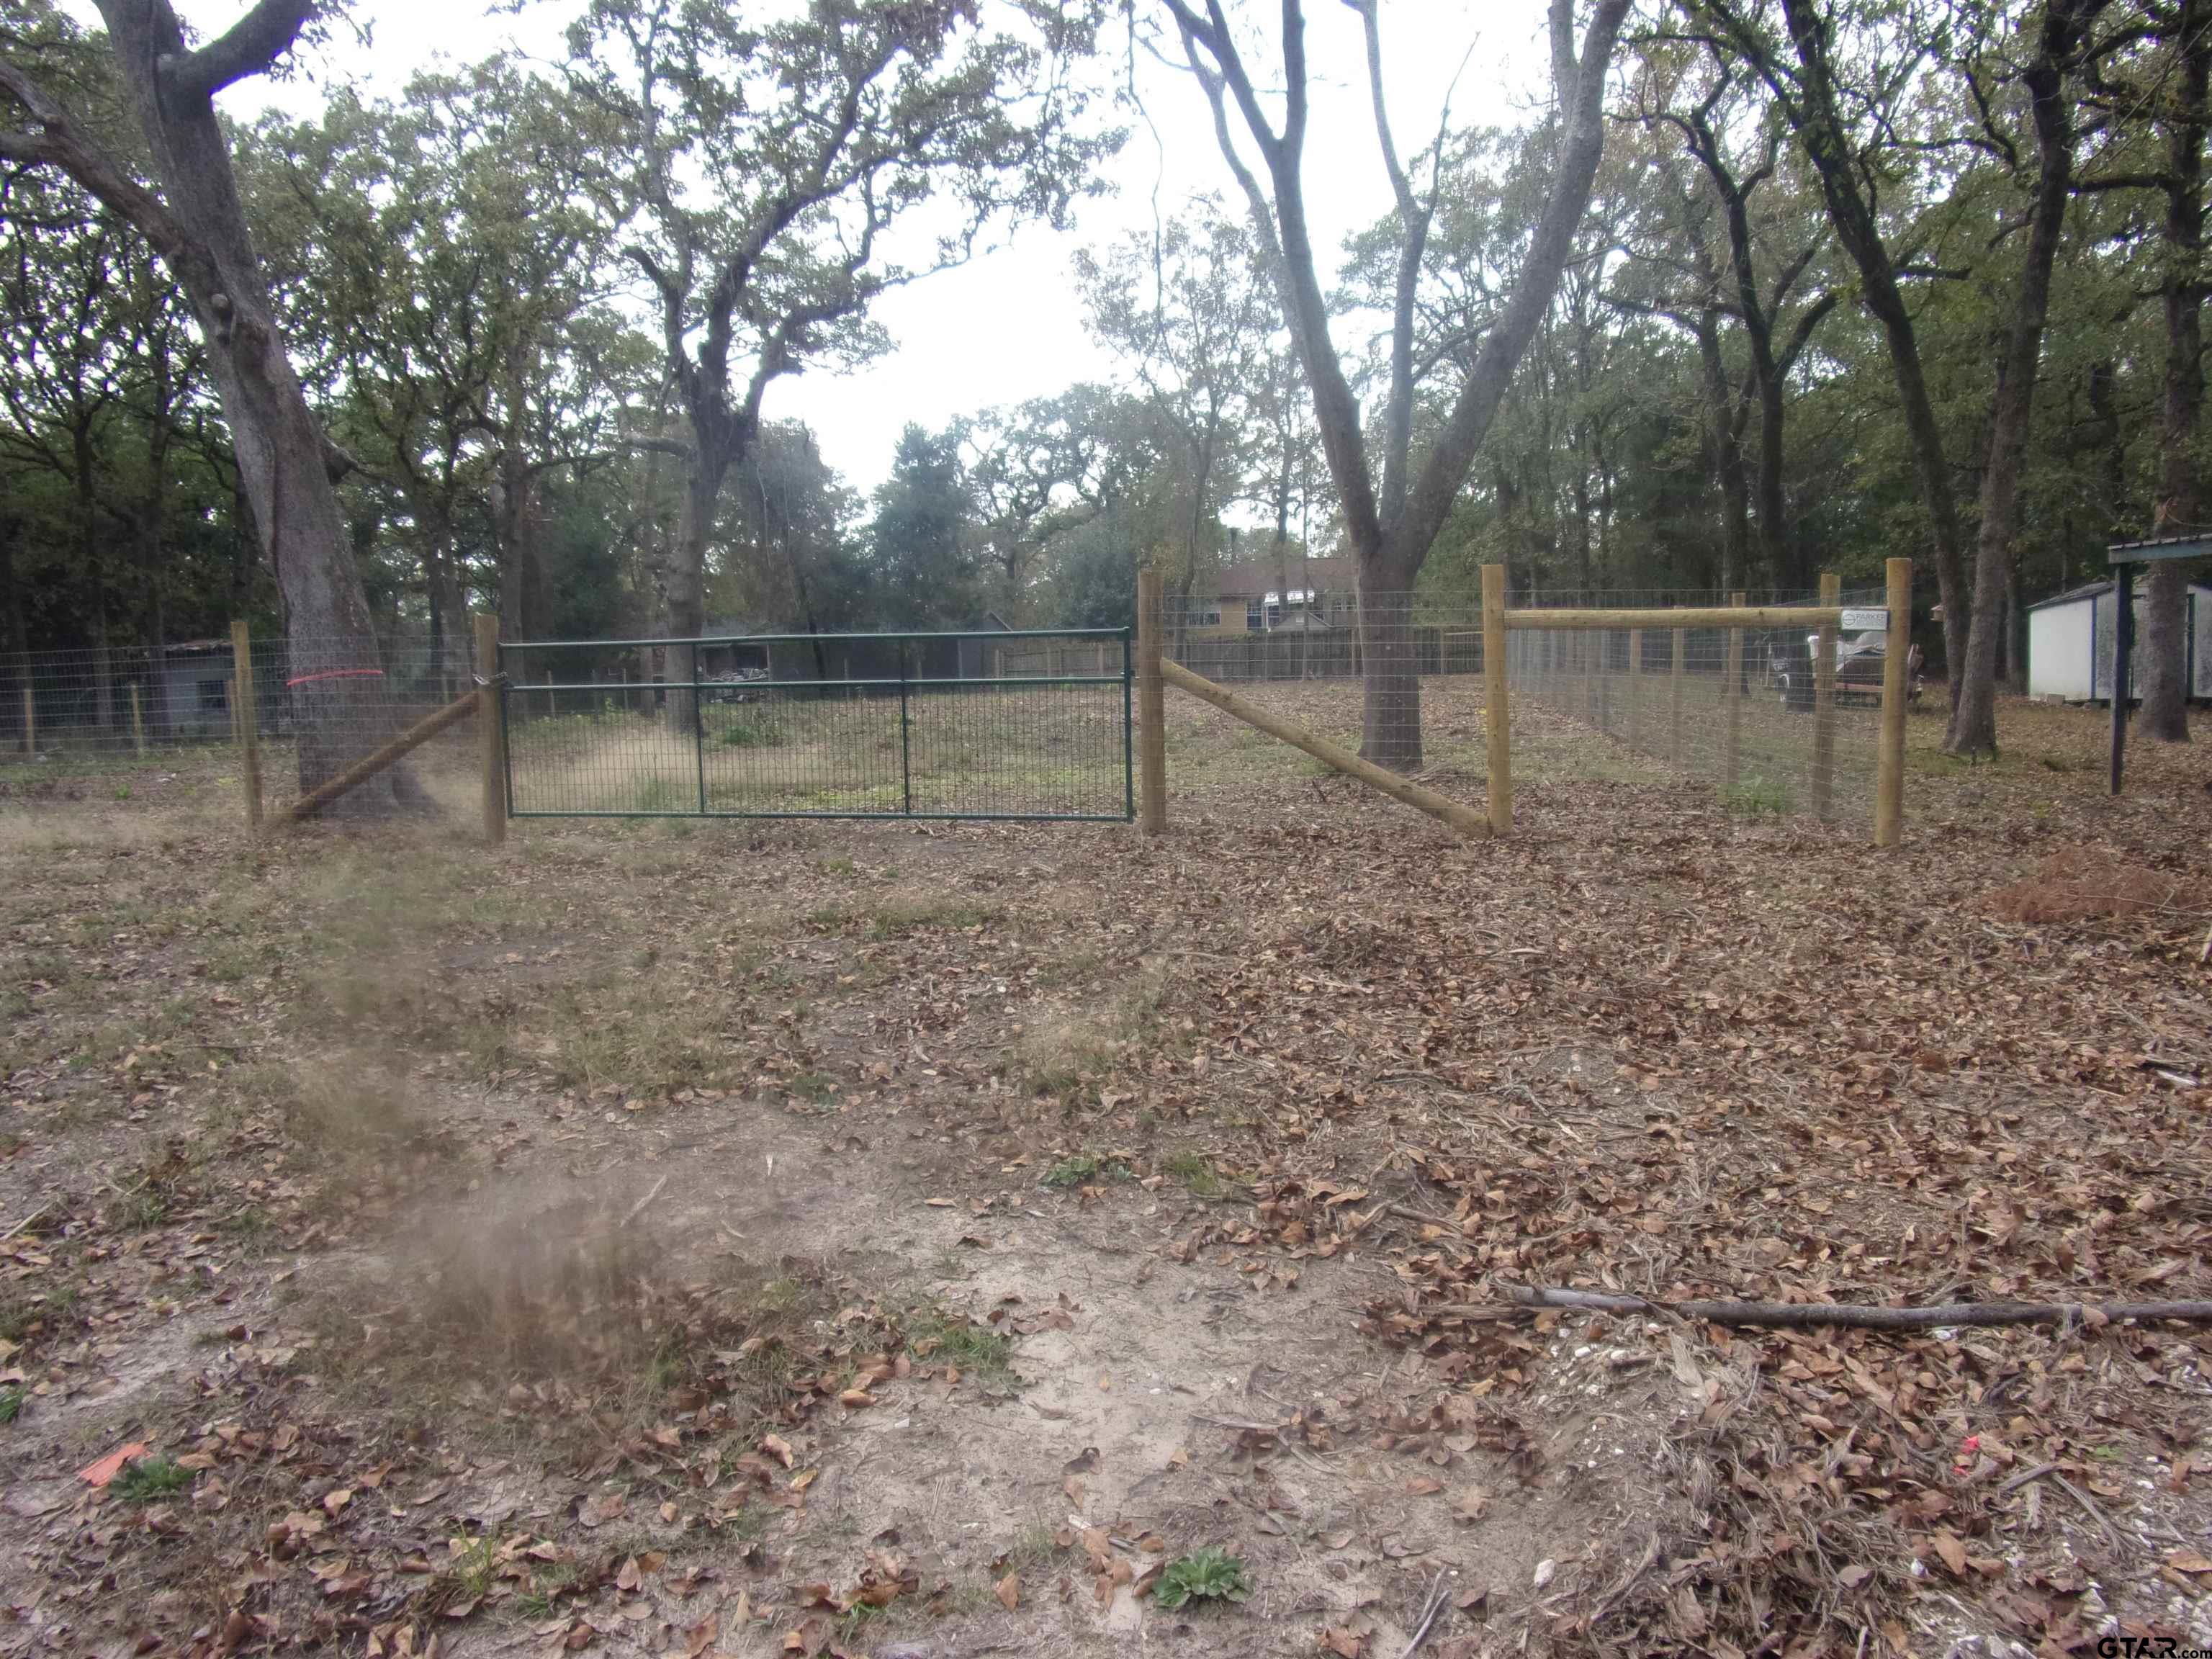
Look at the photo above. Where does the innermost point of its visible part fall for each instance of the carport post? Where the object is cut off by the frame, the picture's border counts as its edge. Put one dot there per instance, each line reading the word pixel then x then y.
pixel 1896 686
pixel 1824 700
pixel 1151 705
pixel 1497 713
pixel 2124 642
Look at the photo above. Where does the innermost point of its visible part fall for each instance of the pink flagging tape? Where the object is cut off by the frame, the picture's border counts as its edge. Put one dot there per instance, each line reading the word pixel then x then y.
pixel 338 674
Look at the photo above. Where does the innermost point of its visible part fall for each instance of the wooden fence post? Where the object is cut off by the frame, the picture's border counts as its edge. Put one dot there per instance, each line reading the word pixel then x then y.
pixel 30 717
pixel 1824 701
pixel 137 722
pixel 1674 702
pixel 490 740
pixel 1497 713
pixel 249 725
pixel 1635 679
pixel 1151 706
pixel 1896 686
pixel 1732 697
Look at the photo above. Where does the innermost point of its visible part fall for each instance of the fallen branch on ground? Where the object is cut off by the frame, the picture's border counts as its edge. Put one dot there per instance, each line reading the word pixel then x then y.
pixel 1529 1298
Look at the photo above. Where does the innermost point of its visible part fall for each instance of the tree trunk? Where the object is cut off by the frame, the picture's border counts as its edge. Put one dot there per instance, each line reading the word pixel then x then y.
pixel 2165 713
pixel 247 541
pixel 2015 632
pixel 17 634
pixel 1784 563
pixel 95 572
pixel 151 514
pixel 1578 493
pixel 338 695
pixel 1828 148
pixel 1728 459
pixel 684 612
pixel 1973 706
pixel 1390 678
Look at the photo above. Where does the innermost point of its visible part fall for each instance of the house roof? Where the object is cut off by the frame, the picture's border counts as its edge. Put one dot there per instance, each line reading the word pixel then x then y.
pixel 1254 578
pixel 2092 590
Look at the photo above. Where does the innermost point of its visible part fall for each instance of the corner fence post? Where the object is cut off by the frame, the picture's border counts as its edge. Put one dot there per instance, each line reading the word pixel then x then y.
pixel 30 716
pixel 1128 732
pixel 137 722
pixel 1497 712
pixel 491 746
pixel 1151 702
pixel 1824 701
pixel 246 716
pixel 905 755
pixel 1896 686
pixel 1732 694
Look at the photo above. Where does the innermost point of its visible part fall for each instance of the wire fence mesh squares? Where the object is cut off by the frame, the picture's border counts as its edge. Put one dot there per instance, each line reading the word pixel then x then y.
pixel 313 704
pixel 995 724
pixel 1656 698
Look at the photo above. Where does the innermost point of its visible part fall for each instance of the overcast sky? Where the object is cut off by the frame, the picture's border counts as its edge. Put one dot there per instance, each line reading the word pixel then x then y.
pixel 1010 325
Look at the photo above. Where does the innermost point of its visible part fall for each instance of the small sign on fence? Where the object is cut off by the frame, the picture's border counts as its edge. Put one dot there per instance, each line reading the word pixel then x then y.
pixel 1873 621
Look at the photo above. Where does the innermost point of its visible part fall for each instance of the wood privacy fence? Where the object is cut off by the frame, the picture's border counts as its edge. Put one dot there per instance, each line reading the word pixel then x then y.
pixel 1626 671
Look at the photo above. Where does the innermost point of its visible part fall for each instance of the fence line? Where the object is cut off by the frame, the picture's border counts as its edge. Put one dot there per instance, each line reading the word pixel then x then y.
pixel 1779 712
pixel 68 708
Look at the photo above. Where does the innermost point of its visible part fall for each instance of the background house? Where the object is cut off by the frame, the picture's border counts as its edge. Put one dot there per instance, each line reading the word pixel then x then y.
pixel 1267 596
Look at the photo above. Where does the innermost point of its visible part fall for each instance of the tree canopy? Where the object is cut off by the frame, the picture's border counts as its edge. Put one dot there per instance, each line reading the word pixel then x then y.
pixel 1766 288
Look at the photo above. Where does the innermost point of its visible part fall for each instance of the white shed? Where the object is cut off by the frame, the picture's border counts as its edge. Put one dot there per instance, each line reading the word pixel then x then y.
pixel 2070 644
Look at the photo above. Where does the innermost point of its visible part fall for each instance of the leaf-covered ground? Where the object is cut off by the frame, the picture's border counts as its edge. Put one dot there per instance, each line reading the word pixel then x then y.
pixel 915 1239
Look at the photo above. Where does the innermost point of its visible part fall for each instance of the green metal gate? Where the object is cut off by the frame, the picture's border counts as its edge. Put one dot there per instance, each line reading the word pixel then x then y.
pixel 1026 724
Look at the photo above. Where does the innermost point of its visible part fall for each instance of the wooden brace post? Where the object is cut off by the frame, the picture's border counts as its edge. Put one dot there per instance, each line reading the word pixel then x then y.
pixel 366 767
pixel 1464 819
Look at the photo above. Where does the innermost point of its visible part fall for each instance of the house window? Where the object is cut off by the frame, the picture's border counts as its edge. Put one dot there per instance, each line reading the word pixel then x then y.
pixel 1255 617
pixel 1210 616
pixel 214 697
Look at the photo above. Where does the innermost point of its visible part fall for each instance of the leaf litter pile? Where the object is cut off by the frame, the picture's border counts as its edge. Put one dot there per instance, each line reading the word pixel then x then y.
pixel 305 1179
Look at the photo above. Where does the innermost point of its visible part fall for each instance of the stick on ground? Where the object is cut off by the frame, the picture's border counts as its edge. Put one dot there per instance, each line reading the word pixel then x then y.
pixel 1848 1315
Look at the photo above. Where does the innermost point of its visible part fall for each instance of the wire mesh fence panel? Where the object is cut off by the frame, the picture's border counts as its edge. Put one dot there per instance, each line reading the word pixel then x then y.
pixel 997 725
pixel 1738 709
pixel 315 705
pixel 1412 665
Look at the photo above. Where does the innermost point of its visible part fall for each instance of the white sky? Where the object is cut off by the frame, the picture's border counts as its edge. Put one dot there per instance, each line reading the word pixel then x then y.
pixel 1010 325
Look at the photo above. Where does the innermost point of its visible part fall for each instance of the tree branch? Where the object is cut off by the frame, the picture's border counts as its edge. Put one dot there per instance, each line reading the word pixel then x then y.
pixel 250 47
